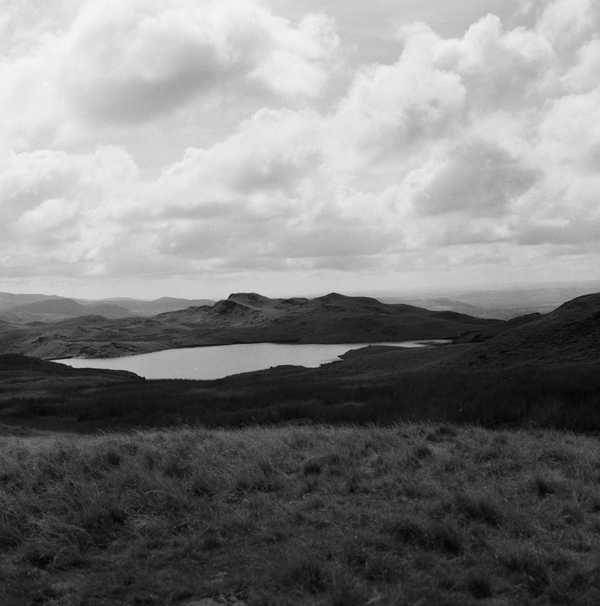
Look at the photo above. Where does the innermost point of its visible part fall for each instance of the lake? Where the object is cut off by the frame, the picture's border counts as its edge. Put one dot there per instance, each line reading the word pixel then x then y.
pixel 215 362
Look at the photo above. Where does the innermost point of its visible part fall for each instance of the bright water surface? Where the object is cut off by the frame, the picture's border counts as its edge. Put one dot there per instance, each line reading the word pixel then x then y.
pixel 215 362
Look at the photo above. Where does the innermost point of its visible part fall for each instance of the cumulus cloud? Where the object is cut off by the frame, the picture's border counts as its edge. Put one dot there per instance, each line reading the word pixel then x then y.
pixel 272 151
pixel 501 69
pixel 58 206
pixel 481 148
pixel 567 23
pixel 570 131
pixel 130 61
pixel 475 177
pixel 125 63
pixel 391 109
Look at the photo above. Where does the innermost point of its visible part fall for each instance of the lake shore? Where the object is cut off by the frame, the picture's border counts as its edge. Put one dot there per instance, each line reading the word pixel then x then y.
pixel 216 362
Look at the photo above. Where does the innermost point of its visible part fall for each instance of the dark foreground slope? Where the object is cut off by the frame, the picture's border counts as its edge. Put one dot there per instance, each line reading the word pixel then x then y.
pixel 414 514
pixel 245 318
pixel 521 376
pixel 38 393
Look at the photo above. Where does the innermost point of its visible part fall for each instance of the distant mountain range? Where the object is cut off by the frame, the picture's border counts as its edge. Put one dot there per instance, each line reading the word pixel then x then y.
pixel 25 308
pixel 9 300
pixel 503 303
pixel 52 310
pixel 156 306
pixel 493 304
pixel 244 318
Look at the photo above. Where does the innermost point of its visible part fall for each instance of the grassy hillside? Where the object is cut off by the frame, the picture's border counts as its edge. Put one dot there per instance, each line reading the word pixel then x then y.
pixel 412 514
pixel 570 333
pixel 244 318
pixel 374 385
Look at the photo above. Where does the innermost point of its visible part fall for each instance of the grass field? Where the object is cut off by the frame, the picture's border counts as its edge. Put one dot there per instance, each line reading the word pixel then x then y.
pixel 409 514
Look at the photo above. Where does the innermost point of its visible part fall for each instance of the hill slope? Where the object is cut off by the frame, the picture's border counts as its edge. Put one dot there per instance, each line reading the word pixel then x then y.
pixel 9 300
pixel 569 334
pixel 156 306
pixel 245 318
pixel 24 308
pixel 56 309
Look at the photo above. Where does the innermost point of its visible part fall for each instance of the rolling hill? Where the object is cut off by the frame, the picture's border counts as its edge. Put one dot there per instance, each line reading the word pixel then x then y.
pixel 157 306
pixel 245 318
pixel 26 308
pixel 9 300
pixel 569 334
pixel 503 303
pixel 56 309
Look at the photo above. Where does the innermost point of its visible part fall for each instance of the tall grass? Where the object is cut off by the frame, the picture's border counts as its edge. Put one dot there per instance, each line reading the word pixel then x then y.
pixel 299 515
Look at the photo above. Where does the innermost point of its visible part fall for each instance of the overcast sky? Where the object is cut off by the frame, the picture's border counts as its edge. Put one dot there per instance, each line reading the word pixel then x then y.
pixel 199 147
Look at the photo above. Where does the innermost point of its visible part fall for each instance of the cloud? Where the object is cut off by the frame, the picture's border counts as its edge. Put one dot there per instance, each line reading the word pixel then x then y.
pixel 582 77
pixel 128 62
pixel 567 23
pixel 484 146
pixel 475 177
pixel 499 68
pixel 391 109
pixel 29 179
pixel 570 131
pixel 118 64
pixel 270 152
pixel 57 206
pixel 562 232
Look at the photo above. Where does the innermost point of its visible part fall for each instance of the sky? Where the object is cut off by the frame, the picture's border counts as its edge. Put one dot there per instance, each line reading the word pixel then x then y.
pixel 201 147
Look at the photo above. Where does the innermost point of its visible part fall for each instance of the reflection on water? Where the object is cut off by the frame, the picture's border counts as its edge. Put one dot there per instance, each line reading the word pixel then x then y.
pixel 219 361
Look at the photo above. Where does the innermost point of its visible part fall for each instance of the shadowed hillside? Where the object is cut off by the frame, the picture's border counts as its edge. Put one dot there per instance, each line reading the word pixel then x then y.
pixel 39 392
pixel 569 334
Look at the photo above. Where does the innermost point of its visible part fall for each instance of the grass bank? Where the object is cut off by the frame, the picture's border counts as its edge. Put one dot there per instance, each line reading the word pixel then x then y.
pixel 410 514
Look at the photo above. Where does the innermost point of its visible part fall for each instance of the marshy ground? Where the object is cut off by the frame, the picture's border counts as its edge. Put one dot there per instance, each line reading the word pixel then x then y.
pixel 411 514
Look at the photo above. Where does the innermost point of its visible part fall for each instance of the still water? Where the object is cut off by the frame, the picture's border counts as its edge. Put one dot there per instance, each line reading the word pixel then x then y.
pixel 215 362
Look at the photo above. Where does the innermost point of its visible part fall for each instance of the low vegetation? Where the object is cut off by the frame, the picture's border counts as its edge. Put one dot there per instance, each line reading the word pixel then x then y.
pixel 409 514
pixel 365 388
